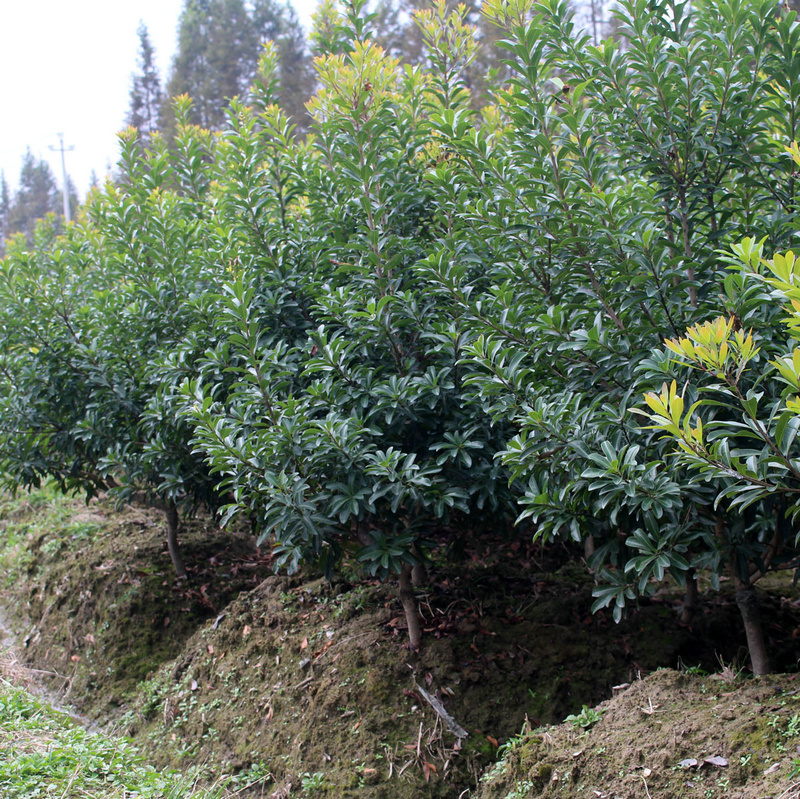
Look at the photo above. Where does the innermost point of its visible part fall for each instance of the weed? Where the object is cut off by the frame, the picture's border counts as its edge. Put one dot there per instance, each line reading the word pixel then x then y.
pixel 586 718
pixel 696 670
pixel 257 774
pixel 312 782
pixel 495 772
pixel 512 743
pixel 44 754
pixel 521 790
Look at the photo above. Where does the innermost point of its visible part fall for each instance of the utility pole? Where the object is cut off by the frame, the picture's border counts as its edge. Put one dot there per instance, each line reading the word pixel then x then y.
pixel 65 184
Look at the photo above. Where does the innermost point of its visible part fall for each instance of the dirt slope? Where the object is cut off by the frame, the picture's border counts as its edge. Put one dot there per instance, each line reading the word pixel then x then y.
pixel 669 735
pixel 307 685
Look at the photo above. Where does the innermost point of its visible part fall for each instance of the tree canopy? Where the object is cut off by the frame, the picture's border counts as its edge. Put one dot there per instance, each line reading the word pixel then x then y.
pixel 435 315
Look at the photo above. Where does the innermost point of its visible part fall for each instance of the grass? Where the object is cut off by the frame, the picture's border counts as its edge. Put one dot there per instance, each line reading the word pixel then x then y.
pixel 28 514
pixel 44 754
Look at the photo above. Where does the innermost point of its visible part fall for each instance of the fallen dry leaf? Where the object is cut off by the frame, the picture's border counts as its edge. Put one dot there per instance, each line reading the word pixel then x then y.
pixel 246 631
pixel 304 643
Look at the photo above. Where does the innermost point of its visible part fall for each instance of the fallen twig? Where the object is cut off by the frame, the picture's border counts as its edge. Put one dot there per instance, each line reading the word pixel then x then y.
pixel 451 723
pixel 334 644
pixel 785 794
pixel 303 683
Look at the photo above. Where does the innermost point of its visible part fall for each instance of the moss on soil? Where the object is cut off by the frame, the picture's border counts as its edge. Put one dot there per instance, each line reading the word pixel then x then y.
pixel 668 735
pixel 95 600
pixel 310 683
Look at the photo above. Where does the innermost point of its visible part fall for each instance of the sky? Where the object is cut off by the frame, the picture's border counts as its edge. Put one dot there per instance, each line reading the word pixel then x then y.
pixel 66 67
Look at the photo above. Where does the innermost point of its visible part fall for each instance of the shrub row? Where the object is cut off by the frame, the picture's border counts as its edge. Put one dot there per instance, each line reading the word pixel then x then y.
pixel 423 319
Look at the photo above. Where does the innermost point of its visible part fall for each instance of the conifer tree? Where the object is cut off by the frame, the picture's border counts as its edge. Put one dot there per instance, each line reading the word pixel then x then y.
pixel 278 22
pixel 5 208
pixel 216 43
pixel 219 46
pixel 37 196
pixel 146 95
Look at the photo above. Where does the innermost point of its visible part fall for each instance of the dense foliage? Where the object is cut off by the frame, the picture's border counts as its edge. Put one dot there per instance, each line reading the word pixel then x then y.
pixel 423 319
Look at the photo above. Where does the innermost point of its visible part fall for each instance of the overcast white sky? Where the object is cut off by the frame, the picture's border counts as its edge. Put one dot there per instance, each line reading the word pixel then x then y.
pixel 66 67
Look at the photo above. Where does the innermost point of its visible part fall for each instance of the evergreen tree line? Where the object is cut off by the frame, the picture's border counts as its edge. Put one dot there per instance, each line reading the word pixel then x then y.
pixel 220 42
pixel 37 195
pixel 218 49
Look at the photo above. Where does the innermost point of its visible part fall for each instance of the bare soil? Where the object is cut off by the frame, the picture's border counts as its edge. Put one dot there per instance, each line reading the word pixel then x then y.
pixel 310 685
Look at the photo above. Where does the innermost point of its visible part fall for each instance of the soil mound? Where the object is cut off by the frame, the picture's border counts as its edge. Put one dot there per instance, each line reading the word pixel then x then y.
pixel 668 735
pixel 90 591
pixel 308 688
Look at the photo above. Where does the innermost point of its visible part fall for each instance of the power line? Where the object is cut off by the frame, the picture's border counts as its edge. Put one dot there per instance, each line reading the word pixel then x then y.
pixel 62 149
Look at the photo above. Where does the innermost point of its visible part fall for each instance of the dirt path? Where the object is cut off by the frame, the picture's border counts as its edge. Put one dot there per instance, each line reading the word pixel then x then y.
pixel 11 668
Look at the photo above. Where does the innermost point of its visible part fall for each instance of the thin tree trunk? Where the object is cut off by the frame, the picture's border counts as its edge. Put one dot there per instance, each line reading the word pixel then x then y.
pixel 419 574
pixel 690 598
pixel 589 548
pixel 409 603
pixel 748 606
pixel 172 541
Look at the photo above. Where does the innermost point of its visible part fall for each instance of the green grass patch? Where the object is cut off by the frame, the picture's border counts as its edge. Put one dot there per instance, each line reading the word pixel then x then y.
pixel 43 754
pixel 46 515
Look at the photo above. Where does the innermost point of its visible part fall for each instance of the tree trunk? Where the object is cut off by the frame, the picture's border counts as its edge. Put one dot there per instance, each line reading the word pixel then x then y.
pixel 410 608
pixel 690 598
pixel 748 606
pixel 172 540
pixel 419 574
pixel 589 547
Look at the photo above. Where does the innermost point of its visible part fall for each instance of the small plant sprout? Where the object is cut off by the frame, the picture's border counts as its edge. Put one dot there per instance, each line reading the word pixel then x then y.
pixel 587 718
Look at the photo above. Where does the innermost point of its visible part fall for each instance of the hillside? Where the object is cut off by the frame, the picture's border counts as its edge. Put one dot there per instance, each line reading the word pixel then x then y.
pixel 310 686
